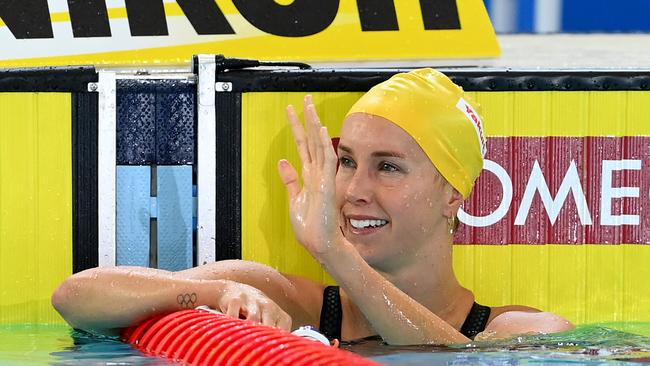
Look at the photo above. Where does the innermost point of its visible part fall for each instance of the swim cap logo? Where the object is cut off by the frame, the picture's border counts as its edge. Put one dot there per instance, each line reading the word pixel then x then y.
pixel 473 117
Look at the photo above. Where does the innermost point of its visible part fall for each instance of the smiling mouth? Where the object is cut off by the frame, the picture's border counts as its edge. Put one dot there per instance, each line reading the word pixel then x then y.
pixel 367 224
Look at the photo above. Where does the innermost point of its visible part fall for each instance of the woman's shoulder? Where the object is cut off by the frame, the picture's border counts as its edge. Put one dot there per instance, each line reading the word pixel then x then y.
pixel 512 320
pixel 498 310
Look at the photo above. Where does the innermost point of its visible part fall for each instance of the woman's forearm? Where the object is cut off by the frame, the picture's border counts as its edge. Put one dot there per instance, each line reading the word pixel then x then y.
pixel 393 314
pixel 101 299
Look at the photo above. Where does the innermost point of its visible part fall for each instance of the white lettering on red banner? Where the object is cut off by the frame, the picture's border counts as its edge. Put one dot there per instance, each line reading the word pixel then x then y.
pixel 560 190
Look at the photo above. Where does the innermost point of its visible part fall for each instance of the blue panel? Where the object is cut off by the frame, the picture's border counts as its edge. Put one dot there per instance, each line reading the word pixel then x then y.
pixel 175 217
pixel 526 16
pixel 605 16
pixel 132 216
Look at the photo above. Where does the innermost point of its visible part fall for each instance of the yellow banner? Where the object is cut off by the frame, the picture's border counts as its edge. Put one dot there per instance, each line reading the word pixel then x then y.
pixel 36 201
pixel 164 32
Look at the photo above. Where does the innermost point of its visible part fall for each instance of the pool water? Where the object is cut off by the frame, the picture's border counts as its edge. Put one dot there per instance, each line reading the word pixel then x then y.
pixel 602 344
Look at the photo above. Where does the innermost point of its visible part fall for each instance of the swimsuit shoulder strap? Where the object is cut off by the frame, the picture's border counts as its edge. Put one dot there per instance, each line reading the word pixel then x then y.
pixel 476 320
pixel 331 314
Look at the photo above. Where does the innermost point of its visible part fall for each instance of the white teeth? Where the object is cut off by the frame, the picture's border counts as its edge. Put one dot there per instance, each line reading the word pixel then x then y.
pixel 362 224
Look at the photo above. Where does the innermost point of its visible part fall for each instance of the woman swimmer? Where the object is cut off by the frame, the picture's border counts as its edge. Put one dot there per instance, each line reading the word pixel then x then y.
pixel 381 224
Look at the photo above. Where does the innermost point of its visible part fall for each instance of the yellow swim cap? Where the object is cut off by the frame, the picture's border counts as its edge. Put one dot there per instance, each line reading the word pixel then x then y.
pixel 436 113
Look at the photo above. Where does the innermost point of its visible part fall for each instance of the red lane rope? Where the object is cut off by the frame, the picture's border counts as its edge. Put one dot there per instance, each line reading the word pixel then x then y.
pixel 202 338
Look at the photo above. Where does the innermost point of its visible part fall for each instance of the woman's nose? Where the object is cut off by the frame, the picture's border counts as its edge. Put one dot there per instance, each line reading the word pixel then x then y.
pixel 359 189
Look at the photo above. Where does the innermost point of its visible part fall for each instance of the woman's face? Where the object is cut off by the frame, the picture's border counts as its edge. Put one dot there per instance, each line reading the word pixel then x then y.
pixel 391 198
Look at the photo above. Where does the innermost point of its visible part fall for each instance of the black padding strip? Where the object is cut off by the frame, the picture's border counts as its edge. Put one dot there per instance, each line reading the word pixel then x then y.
pixel 47 79
pixel 317 80
pixel 85 252
pixel 228 179
pixel 553 81
pixel 470 80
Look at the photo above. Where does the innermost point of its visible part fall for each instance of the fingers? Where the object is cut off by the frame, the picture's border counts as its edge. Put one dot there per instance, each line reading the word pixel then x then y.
pixel 252 313
pixel 284 322
pixel 259 311
pixel 310 147
pixel 274 316
pixel 269 317
pixel 329 155
pixel 289 177
pixel 240 308
pixel 244 302
pixel 313 129
pixel 299 135
pixel 307 137
pixel 233 307
pixel 309 126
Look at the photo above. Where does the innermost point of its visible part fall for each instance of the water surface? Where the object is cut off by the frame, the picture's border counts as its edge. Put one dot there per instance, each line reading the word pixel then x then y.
pixel 603 344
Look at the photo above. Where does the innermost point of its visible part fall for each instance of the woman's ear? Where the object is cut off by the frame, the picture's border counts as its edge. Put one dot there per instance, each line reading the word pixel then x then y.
pixel 453 203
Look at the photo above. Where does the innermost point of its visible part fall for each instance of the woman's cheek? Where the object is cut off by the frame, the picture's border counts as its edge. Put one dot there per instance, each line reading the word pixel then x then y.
pixel 393 182
pixel 341 187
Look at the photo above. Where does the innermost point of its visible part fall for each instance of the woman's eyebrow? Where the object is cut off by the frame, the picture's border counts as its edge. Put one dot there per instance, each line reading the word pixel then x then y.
pixel 390 154
pixel 344 148
pixel 380 154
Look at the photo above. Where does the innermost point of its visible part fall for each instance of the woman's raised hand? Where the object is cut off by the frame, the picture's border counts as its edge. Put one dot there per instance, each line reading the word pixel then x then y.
pixel 312 204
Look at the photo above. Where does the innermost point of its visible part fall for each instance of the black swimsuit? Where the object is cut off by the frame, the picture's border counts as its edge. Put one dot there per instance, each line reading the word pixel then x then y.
pixel 331 316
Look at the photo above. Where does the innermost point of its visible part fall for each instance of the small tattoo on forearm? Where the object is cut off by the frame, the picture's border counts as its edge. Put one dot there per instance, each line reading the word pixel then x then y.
pixel 186 300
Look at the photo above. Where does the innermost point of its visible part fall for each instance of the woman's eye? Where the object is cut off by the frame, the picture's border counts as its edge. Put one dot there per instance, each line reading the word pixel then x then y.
pixel 387 167
pixel 347 162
